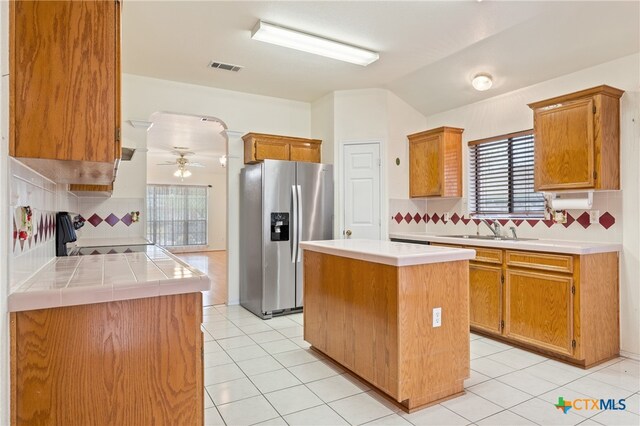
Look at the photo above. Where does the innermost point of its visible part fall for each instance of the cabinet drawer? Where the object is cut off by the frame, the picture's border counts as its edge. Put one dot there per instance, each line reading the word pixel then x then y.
pixel 543 261
pixel 488 255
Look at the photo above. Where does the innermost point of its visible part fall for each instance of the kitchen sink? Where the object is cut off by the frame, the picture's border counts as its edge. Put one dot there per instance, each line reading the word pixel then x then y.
pixel 488 237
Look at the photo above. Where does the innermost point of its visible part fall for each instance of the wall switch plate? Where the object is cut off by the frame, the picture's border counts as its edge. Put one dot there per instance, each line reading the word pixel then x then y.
pixel 594 216
pixel 437 317
pixel 447 217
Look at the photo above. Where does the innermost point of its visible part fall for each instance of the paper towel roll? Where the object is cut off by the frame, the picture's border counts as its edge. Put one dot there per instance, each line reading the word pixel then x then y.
pixel 572 203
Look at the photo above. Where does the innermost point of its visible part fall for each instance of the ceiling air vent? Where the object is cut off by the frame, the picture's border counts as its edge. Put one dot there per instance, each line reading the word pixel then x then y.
pixel 226 67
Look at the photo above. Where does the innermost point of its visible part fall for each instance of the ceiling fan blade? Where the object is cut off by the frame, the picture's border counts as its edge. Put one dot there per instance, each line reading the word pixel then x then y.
pixel 195 165
pixel 166 164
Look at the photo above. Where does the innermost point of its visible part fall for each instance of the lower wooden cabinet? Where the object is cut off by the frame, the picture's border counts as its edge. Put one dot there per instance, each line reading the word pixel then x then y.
pixel 539 309
pixel 485 294
pixel 565 306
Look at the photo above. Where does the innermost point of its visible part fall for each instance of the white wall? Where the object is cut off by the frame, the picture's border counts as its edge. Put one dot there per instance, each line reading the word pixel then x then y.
pixel 241 112
pixel 322 123
pixel 508 113
pixel 217 206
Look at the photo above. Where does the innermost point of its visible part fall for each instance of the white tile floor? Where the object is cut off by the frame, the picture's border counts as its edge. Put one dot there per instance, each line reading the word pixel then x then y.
pixel 263 372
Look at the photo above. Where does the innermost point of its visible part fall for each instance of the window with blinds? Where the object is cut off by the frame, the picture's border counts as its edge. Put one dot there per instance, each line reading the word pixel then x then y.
pixel 177 215
pixel 501 178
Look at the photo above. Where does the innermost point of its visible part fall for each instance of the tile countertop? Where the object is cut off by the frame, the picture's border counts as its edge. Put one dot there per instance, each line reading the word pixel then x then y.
pixel 388 252
pixel 81 280
pixel 101 242
pixel 550 246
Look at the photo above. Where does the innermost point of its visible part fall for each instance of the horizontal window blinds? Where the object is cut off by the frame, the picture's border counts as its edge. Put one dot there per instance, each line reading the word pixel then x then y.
pixel 177 215
pixel 501 178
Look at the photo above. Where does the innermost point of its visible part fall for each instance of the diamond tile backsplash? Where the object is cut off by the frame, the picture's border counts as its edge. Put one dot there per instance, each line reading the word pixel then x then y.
pixel 45 197
pixel 111 217
pixel 429 216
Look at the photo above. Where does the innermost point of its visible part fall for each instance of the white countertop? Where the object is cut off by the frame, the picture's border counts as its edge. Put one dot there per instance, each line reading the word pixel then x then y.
pixel 81 280
pixel 551 246
pixel 388 252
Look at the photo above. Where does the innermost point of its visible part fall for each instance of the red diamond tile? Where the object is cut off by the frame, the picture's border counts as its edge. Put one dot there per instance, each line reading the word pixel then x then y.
pixel 435 218
pixel 398 217
pixel 583 220
pixel 607 220
pixel 95 220
pixel 417 218
pixel 40 227
pixel 126 219
pixel 569 221
pixel 533 222
pixel 112 219
pixel 407 217
pixel 455 218
pixel 477 221
pixel 549 222
pixel 503 222
pixel 465 220
pixel 517 222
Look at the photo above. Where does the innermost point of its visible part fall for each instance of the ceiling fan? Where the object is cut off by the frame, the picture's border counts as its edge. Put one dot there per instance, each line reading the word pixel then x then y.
pixel 182 162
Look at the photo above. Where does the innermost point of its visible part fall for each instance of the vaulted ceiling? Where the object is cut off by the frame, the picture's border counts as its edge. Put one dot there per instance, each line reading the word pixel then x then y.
pixel 429 51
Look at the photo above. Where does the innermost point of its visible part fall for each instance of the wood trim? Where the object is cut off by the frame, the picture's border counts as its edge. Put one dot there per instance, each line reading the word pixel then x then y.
pixel 426 133
pixel 586 93
pixel 543 261
pixel 500 137
pixel 118 87
pixel 280 138
pixel 12 79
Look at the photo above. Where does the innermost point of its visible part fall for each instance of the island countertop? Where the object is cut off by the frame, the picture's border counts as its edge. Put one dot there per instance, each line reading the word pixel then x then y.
pixel 551 246
pixel 81 280
pixel 388 252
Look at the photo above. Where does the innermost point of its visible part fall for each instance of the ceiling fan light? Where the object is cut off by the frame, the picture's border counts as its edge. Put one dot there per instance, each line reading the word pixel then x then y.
pixel 482 82
pixel 186 173
pixel 223 161
pixel 177 173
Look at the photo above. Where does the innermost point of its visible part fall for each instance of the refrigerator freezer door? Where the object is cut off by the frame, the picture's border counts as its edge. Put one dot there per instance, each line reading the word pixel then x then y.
pixel 316 210
pixel 278 281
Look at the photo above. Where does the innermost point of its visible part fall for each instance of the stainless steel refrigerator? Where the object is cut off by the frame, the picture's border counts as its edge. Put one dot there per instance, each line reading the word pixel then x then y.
pixel 281 204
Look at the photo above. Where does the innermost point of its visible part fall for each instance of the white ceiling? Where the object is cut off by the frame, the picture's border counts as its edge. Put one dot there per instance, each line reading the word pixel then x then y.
pixel 428 50
pixel 203 138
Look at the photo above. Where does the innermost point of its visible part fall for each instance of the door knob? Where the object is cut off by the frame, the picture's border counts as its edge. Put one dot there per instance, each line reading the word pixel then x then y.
pixel 348 232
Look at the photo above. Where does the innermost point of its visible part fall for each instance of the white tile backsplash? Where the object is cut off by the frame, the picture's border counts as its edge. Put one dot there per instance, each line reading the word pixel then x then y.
pixel 103 207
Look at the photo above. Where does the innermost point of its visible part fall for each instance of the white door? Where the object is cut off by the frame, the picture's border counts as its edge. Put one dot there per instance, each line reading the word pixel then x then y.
pixel 361 166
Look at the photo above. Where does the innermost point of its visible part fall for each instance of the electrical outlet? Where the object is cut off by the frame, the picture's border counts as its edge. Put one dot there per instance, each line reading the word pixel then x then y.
pixel 437 317
pixel 446 217
pixel 594 216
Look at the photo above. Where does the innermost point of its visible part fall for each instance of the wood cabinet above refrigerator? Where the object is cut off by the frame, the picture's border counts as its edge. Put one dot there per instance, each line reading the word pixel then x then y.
pixel 260 146
pixel 65 88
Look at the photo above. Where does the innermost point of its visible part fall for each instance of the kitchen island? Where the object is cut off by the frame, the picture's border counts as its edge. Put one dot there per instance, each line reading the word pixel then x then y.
pixel 395 314
pixel 108 339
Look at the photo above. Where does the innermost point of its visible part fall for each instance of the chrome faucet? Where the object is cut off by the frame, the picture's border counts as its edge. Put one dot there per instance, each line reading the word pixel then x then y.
pixel 493 225
pixel 513 232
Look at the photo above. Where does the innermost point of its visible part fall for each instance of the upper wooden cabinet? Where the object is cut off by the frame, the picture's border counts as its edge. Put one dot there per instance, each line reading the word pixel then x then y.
pixel 65 88
pixel 435 163
pixel 577 140
pixel 258 147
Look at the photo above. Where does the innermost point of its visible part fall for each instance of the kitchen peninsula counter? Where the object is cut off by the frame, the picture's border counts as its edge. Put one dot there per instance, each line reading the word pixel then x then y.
pixel 108 339
pixel 395 314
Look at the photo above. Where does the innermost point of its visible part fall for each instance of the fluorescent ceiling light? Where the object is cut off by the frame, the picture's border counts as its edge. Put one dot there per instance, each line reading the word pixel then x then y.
pixel 482 82
pixel 292 39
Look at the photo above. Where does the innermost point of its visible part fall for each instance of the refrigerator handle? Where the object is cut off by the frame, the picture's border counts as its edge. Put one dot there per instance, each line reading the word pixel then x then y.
pixel 294 220
pixel 299 231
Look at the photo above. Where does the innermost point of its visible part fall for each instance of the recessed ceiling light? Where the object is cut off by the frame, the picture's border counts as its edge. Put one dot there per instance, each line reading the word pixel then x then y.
pixel 482 82
pixel 286 37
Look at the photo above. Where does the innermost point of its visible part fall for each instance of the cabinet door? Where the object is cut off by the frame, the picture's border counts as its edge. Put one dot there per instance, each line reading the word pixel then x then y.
pixel 305 152
pixel 271 151
pixel 539 310
pixel 485 297
pixel 425 167
pixel 564 146
pixel 65 83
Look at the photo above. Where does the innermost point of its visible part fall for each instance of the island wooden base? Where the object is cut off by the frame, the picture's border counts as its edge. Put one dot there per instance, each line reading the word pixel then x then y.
pixel 377 321
pixel 130 362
